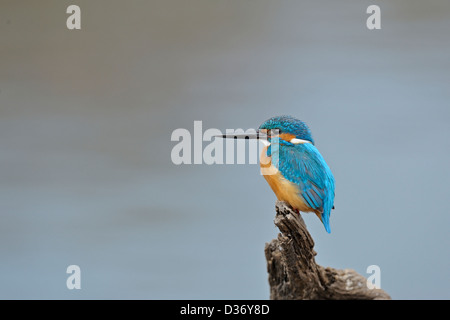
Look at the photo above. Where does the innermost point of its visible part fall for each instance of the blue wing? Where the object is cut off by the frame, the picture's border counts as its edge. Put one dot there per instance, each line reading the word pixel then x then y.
pixel 303 165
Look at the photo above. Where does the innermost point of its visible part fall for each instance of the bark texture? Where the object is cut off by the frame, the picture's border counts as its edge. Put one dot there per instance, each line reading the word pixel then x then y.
pixel 294 273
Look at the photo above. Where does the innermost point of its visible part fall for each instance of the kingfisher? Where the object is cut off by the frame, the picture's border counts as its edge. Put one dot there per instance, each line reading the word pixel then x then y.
pixel 293 167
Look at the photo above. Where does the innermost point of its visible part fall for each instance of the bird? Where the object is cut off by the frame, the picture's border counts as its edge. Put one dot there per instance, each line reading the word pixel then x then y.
pixel 293 166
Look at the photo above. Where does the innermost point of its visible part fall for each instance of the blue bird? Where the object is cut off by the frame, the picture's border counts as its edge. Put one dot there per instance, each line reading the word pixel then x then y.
pixel 294 168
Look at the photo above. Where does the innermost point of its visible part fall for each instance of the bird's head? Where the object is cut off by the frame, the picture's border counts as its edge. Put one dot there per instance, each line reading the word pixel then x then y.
pixel 287 128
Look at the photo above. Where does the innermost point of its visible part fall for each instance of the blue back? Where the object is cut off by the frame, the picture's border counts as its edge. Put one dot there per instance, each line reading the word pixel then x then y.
pixel 303 165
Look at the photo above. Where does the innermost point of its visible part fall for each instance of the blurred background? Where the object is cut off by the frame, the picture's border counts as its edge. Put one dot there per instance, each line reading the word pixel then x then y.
pixel 86 118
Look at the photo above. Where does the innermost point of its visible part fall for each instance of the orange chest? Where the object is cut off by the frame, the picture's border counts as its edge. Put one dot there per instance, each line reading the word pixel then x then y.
pixel 284 189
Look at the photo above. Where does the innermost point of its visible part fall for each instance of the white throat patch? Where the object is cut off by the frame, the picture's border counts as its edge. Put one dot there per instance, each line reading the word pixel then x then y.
pixel 298 141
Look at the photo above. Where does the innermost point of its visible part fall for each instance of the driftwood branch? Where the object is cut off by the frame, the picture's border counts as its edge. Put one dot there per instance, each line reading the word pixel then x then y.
pixel 294 274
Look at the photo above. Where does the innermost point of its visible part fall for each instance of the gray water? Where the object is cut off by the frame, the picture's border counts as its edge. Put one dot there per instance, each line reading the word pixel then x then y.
pixel 86 118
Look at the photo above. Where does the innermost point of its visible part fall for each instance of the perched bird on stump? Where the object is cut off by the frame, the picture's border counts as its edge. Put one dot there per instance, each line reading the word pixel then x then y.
pixel 293 167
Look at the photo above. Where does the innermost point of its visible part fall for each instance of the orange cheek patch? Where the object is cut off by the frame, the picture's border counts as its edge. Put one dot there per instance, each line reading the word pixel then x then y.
pixel 286 136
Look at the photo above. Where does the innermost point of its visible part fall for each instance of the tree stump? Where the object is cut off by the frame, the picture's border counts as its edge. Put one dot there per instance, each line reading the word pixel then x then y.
pixel 294 274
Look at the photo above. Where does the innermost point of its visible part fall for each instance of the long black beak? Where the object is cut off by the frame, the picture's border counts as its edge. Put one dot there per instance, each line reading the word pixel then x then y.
pixel 255 135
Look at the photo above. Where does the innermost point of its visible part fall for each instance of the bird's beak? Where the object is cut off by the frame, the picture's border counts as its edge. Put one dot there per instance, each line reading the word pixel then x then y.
pixel 260 135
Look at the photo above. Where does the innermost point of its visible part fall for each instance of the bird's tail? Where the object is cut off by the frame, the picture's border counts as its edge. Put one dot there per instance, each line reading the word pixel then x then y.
pixel 326 220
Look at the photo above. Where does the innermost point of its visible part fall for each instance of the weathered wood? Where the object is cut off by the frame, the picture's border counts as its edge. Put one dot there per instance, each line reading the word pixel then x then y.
pixel 294 273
